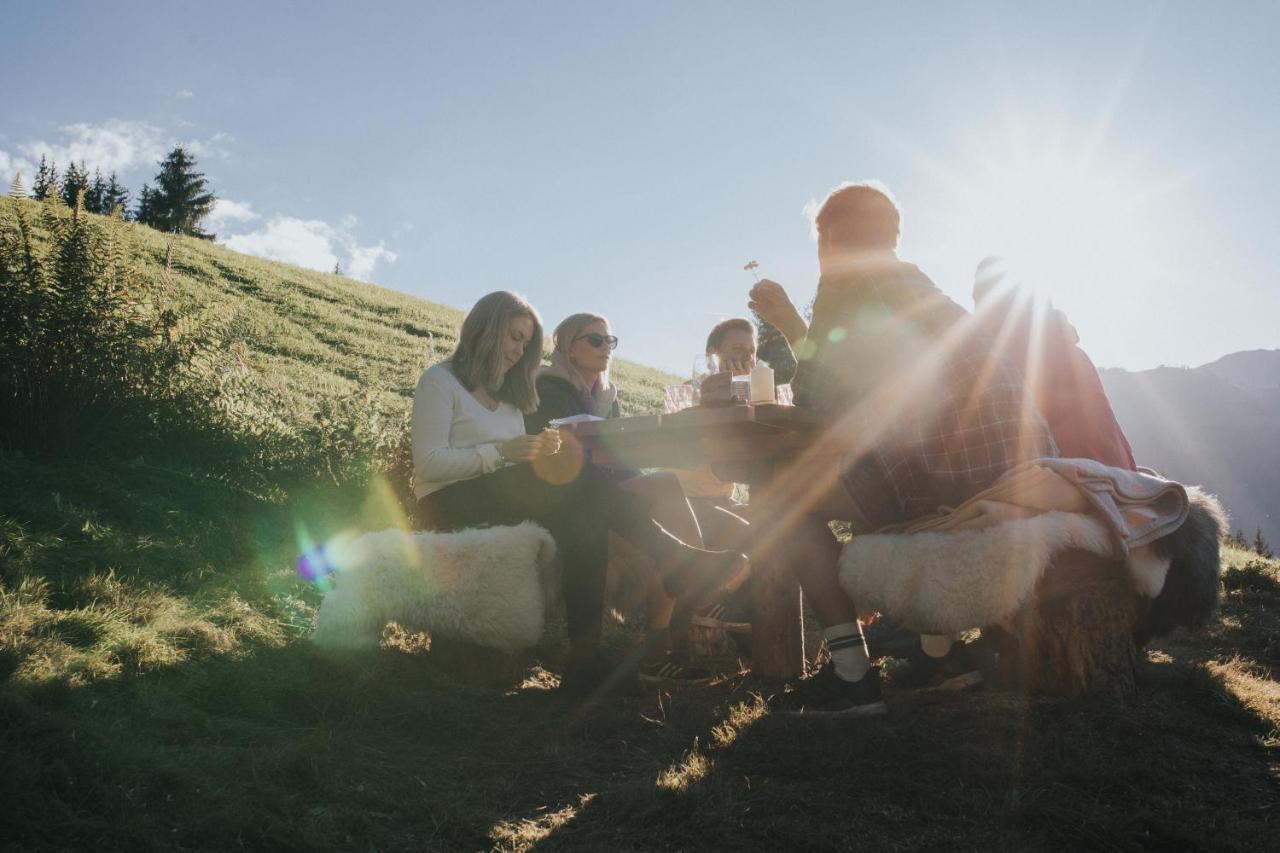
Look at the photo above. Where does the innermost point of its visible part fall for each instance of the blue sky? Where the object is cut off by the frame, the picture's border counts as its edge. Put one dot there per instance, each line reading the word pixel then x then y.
pixel 630 158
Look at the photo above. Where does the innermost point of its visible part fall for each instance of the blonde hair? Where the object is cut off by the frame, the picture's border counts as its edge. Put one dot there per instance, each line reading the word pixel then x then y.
pixel 570 327
pixel 477 361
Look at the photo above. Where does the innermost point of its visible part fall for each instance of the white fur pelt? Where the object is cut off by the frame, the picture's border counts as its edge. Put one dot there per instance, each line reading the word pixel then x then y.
pixel 489 586
pixel 945 582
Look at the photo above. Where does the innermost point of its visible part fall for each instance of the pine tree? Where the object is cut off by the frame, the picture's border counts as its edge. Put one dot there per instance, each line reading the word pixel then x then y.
pixel 1238 541
pixel 16 189
pixel 46 182
pixel 95 197
pixel 74 182
pixel 116 196
pixel 182 197
pixel 1260 545
pixel 145 212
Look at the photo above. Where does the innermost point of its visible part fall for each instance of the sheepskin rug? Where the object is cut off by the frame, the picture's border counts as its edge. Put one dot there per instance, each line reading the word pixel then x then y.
pixel 946 582
pixel 489 586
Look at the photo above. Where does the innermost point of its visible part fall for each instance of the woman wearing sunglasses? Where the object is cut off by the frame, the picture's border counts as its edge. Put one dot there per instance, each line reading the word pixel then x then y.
pixel 474 465
pixel 577 383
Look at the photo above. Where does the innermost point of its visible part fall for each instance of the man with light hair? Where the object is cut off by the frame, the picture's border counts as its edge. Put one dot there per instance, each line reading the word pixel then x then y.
pixel 917 412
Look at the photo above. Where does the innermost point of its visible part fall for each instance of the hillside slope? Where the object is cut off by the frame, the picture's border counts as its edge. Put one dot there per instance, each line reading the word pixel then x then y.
pixel 1200 426
pixel 313 336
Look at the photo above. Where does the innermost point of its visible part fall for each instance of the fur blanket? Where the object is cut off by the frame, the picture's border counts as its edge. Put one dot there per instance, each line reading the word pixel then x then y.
pixel 488 586
pixel 943 583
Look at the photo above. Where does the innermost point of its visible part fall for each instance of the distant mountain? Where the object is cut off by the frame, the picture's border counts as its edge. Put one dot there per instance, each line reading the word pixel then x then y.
pixel 1255 371
pixel 1217 425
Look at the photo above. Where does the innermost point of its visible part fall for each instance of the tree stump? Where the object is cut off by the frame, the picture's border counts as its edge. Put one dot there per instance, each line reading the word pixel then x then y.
pixel 1075 635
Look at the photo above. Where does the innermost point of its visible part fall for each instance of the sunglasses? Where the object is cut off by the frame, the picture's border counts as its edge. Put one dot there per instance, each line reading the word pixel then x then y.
pixel 598 340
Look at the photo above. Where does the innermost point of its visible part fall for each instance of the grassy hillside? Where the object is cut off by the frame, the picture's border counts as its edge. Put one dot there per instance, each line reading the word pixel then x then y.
pixel 157 692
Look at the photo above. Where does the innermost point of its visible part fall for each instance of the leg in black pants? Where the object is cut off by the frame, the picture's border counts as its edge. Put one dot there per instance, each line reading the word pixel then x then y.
pixel 576 521
pixel 579 516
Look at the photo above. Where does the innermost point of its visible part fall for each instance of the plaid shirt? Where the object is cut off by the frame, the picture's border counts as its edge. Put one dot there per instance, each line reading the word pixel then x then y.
pixel 932 414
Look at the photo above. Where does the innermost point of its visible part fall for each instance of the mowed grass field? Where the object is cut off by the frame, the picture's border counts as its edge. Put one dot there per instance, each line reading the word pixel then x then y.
pixel 158 692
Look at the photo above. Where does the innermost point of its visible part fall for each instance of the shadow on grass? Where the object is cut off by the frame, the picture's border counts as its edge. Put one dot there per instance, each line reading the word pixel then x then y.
pixel 288 749
pixel 1180 769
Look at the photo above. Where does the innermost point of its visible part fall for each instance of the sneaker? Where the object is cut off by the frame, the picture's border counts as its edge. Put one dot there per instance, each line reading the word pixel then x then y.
pixel 670 669
pixel 719 617
pixel 827 694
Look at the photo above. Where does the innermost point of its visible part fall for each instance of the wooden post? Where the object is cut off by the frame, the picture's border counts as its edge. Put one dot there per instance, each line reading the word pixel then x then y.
pixel 777 635
pixel 1075 635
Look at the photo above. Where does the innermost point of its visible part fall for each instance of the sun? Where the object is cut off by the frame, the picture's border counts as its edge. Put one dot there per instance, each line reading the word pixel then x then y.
pixel 1076 222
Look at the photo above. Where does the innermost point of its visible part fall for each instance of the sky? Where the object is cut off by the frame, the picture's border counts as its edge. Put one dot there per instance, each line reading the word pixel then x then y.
pixel 629 159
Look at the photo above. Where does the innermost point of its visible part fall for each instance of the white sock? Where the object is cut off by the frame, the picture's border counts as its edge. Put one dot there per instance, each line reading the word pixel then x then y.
pixel 848 650
pixel 935 645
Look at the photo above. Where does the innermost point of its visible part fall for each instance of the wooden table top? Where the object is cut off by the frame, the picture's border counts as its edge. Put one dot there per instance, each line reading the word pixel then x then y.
pixel 698 435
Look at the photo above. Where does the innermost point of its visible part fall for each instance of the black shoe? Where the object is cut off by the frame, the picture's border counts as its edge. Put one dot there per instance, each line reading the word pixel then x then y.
pixel 827 694
pixel 671 669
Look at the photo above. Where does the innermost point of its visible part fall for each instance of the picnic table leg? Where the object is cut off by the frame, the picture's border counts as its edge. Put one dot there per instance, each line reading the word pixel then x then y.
pixel 777 634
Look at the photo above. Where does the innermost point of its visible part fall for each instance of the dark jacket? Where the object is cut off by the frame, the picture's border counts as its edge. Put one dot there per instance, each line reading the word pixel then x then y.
pixel 557 398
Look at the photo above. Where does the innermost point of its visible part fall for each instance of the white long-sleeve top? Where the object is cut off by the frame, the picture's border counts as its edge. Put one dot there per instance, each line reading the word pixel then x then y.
pixel 455 437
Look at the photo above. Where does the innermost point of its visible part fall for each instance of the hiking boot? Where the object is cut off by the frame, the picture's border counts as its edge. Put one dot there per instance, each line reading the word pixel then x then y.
pixel 721 618
pixel 672 669
pixel 826 694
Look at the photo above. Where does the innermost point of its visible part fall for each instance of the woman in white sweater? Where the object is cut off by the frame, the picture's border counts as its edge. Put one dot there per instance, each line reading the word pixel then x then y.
pixel 473 464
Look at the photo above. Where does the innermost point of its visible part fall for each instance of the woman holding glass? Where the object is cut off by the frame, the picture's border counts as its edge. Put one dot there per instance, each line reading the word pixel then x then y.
pixel 577 382
pixel 474 464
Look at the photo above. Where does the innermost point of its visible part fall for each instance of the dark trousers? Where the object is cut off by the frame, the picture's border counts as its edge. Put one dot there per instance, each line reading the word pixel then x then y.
pixel 578 515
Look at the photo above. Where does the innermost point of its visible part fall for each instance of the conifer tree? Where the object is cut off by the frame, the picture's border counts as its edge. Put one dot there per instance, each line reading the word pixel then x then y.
pixel 95 197
pixel 46 182
pixel 181 197
pixel 145 212
pixel 74 182
pixel 16 189
pixel 1260 545
pixel 116 196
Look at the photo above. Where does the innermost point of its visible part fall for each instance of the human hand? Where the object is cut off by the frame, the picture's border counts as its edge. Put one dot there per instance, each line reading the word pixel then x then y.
pixel 772 304
pixel 522 448
pixel 738 366
pixel 550 441
pixel 716 389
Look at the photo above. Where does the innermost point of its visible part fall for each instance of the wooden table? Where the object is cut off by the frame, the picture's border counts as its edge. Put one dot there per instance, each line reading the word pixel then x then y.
pixel 738 438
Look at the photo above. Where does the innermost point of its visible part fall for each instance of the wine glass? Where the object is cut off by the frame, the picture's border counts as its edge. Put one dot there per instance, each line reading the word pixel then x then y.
pixel 703 366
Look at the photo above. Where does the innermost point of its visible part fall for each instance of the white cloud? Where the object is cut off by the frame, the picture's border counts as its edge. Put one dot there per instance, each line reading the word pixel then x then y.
pixel 119 146
pixel 314 244
pixel 227 214
pixel 184 94
pixel 365 258
pixel 10 165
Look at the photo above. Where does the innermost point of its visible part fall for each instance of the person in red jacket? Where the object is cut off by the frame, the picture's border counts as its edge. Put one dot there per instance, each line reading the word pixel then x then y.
pixel 1040 342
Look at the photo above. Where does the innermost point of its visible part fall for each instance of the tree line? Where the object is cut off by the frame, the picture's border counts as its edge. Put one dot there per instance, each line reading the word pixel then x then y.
pixel 176 204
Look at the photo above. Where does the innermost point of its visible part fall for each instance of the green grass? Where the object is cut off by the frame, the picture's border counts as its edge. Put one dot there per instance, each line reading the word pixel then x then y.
pixel 158 693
